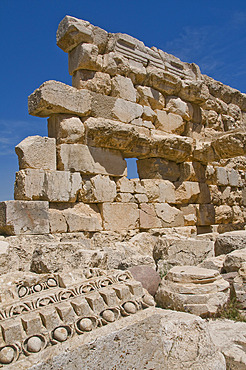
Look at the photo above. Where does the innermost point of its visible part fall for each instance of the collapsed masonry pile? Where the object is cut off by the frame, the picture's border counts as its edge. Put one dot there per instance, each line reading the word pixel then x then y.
pixel 128 100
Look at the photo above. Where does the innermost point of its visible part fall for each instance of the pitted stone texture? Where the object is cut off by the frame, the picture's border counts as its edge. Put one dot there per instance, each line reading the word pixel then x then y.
pixel 120 216
pixel 229 337
pixel 170 252
pixel 91 160
pixel 66 129
pixel 56 97
pixel 234 260
pixel 98 189
pixel 24 217
pixel 37 152
pixel 54 186
pixel 94 81
pixel 193 289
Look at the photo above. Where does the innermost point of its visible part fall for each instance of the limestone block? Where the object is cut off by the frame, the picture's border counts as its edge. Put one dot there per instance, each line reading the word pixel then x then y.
pixel 122 87
pixel 156 168
pixel 56 97
pixel 234 111
pixel 91 160
pixel 163 81
pixel 230 145
pixel 125 198
pixel 120 216
pixel 24 217
pixel 213 263
pixel 234 260
pixel 221 177
pixel 193 289
pixel 141 198
pixel 190 214
pixel 171 147
pixel 98 189
pixel 194 91
pixel 233 178
pixel 98 82
pixel 72 31
pixel 186 192
pixel 66 129
pixel 148 96
pixel 204 152
pixel 192 171
pixel 169 216
pixel 125 185
pixel 148 114
pixel 57 221
pixel 223 214
pixel 37 152
pixel 138 187
pixel 83 56
pixel 54 186
pixel 137 72
pixel 158 190
pixel 126 111
pixel 148 217
pixel 169 122
pixel 178 106
pixel 206 214
pixel 229 338
pixel 240 286
pixel 204 196
pixel 82 217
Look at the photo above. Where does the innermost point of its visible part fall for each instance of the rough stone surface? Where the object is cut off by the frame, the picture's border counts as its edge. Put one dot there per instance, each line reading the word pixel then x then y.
pixel 234 260
pixel 23 217
pixel 37 152
pixel 66 129
pixel 239 286
pixel 148 277
pixel 120 216
pixel 193 289
pixel 214 263
pixel 230 241
pixel 90 160
pixel 98 189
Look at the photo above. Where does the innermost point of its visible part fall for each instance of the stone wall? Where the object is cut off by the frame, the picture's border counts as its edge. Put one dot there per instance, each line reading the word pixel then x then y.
pixel 186 130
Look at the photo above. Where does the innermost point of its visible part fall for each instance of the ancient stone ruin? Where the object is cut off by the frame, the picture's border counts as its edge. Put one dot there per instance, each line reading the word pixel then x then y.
pixel 78 224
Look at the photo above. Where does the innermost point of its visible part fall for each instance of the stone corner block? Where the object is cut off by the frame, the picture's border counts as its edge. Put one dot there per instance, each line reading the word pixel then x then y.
pixel 24 217
pixel 37 152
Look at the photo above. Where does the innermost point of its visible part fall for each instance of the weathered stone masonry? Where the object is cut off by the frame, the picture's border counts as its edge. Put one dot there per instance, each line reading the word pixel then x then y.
pixel 127 100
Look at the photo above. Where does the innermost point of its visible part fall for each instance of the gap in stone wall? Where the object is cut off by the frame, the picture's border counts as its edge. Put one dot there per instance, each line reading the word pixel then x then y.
pixel 132 172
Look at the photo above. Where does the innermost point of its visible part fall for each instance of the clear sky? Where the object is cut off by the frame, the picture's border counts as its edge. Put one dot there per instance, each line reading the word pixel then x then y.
pixel 209 33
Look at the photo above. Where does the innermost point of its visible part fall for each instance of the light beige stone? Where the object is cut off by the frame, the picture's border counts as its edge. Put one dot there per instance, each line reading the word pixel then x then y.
pixel 98 189
pixel 190 214
pixel 186 192
pixel 57 221
pixel 98 82
pixel 159 190
pixel 83 56
pixel 239 286
pixel 163 81
pixel 193 289
pixel 213 263
pixel 24 217
pixel 150 97
pixel 125 198
pixel 169 216
pixel 148 217
pixel 37 152
pixel 234 260
pixel 148 114
pixel 125 185
pixel 126 111
pixel 192 171
pixel 178 106
pixel 223 214
pixel 91 160
pixel 54 186
pixel 66 129
pixel 120 216
pixel 169 122
pixel 122 87
pixel 72 31
pixel 56 97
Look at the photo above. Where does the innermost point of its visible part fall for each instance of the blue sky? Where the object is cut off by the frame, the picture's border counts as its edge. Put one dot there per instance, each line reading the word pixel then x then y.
pixel 209 33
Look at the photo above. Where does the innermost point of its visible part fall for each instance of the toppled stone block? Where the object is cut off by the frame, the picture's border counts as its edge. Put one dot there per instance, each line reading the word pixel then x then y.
pixel 37 152
pixel 230 241
pixel 66 129
pixel 56 97
pixel 54 186
pixel 234 260
pixel 24 217
pixel 193 289
pixel 120 216
pixel 98 189
pixel 214 263
pixel 90 160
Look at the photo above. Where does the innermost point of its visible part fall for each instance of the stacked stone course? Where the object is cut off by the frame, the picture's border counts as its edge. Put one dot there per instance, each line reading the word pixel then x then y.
pixel 186 130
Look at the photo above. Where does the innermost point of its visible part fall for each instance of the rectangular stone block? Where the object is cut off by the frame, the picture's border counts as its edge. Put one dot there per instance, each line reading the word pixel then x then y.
pixel 24 217
pixel 83 56
pixel 122 87
pixel 169 216
pixel 50 318
pixel 54 186
pixel 169 122
pixel 66 129
pixel 56 97
pixel 157 168
pixel 120 216
pixel 206 215
pixel 12 331
pixel 190 214
pixel 91 160
pixel 148 217
pixel 187 192
pixel 37 152
pixel 97 189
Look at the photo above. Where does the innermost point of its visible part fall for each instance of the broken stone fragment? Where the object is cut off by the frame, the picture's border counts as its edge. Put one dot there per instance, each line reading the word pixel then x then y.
pixel 180 107
pixel 94 81
pixel 122 87
pixel 24 217
pixel 120 216
pixel 90 160
pixel 37 152
pixel 97 189
pixel 66 129
pixel 169 122
pixel 84 56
